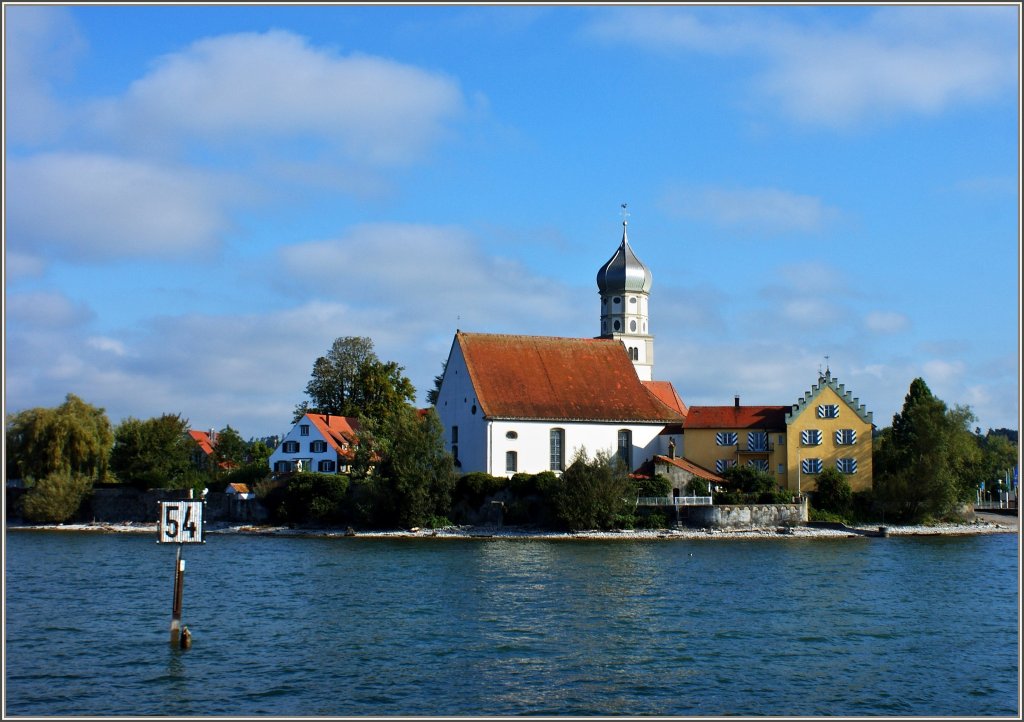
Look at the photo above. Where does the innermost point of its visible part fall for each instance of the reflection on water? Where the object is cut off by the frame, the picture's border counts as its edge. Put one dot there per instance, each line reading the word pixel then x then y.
pixel 469 627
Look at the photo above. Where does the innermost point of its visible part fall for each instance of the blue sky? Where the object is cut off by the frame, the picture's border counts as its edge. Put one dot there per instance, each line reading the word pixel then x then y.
pixel 199 200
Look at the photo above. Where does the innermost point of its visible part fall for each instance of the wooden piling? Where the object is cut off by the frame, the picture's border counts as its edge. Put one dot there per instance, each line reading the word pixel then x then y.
pixel 179 586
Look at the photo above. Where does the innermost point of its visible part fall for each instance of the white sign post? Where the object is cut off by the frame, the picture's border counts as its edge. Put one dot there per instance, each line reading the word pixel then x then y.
pixel 181 522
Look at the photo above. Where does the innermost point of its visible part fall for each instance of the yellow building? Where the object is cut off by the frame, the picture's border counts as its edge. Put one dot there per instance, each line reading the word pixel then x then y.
pixel 719 437
pixel 828 428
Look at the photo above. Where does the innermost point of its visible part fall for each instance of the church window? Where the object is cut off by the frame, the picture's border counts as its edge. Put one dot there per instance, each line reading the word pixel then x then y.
pixel 511 462
pixel 632 326
pixel 557 447
pixel 626 448
pixel 616 300
pixel 512 435
pixel 632 300
pixel 618 326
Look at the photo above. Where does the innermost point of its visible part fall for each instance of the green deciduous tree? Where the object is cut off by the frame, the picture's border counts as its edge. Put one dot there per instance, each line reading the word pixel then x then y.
pixel 74 437
pixel 55 498
pixel 350 380
pixel 155 453
pixel 833 492
pixel 230 450
pixel 593 494
pixel 413 476
pixel 926 464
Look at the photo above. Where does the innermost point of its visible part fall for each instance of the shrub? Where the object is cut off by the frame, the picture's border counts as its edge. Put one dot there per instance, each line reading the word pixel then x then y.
pixel 475 487
pixel 833 493
pixel 593 494
pixel 56 497
pixel 654 520
pixel 311 496
pixel 659 485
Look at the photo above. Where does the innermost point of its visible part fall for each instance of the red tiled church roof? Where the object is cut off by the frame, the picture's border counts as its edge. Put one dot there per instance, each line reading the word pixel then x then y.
pixel 736 417
pixel 666 394
pixel 543 377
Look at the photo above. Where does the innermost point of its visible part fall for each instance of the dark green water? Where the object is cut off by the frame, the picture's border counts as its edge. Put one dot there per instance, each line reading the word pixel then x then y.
pixel 346 627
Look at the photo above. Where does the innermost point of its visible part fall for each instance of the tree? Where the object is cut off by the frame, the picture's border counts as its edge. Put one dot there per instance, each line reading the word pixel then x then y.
pixel 413 476
pixel 757 486
pixel 230 450
pixel 155 453
pixel 56 497
pixel 593 494
pixel 334 378
pixel 432 394
pixel 833 492
pixel 74 437
pixel 925 465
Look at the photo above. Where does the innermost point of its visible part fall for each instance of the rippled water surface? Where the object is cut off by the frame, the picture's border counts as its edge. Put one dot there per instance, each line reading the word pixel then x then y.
pixel 342 626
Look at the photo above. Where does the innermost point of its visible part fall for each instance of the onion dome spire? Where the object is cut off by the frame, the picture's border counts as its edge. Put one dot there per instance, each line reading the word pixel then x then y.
pixel 624 271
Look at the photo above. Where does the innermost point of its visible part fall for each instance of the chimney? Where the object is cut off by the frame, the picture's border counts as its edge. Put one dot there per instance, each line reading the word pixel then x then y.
pixel 737 400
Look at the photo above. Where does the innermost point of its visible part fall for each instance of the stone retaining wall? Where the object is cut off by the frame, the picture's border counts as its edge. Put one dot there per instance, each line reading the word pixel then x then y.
pixel 742 516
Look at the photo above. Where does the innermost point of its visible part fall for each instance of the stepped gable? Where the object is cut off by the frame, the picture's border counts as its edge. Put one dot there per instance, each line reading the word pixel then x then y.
pixel 559 379
pixel 827 380
pixel 736 417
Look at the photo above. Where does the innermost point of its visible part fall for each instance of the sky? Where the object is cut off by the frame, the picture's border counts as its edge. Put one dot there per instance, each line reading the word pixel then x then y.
pixel 200 199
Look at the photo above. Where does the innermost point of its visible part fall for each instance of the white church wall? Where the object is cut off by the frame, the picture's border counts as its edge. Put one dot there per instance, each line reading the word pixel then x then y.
pixel 457 408
pixel 531 442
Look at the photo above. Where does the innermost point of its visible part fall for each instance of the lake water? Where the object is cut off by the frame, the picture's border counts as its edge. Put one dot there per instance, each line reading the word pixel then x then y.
pixel 356 626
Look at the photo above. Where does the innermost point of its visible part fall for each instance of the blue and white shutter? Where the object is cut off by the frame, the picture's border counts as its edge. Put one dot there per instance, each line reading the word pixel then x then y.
pixel 846 437
pixel 726 438
pixel 810 437
pixel 810 466
pixel 828 411
pixel 757 441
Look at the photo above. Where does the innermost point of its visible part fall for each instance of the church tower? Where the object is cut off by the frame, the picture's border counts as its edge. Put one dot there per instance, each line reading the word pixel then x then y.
pixel 624 284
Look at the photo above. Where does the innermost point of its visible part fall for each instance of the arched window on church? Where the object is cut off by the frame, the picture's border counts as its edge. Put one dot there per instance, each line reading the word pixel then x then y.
pixel 625 451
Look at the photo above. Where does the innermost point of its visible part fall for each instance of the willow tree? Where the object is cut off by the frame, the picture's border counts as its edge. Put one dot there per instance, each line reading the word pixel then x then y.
pixel 73 438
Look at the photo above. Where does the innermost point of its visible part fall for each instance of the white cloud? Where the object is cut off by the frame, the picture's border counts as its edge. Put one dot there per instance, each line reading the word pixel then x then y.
pixel 250 87
pixel 41 44
pixel 918 60
pixel 45 310
pixel 432 275
pixel 762 210
pixel 886 322
pixel 101 207
pixel 942 373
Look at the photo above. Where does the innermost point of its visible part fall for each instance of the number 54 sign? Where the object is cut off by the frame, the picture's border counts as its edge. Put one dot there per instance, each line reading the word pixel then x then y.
pixel 181 522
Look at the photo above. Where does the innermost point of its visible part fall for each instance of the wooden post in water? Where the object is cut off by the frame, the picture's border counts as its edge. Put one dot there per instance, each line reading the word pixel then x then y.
pixel 179 587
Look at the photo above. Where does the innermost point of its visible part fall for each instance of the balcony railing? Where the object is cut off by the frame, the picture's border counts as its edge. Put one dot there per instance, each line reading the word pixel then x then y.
pixel 673 501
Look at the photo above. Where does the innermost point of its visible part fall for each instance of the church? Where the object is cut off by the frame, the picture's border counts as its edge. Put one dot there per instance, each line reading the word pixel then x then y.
pixel 512 403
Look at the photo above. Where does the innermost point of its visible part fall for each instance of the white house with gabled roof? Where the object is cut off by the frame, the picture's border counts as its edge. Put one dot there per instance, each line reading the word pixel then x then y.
pixel 317 442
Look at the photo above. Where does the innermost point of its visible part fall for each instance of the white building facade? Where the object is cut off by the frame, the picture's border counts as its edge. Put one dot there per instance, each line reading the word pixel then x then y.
pixel 317 442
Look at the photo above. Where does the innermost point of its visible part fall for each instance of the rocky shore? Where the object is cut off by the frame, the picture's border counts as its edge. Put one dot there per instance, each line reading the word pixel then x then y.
pixel 985 524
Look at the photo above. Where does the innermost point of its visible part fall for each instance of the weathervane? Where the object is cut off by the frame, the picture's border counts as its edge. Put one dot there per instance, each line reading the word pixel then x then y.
pixel 625 213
